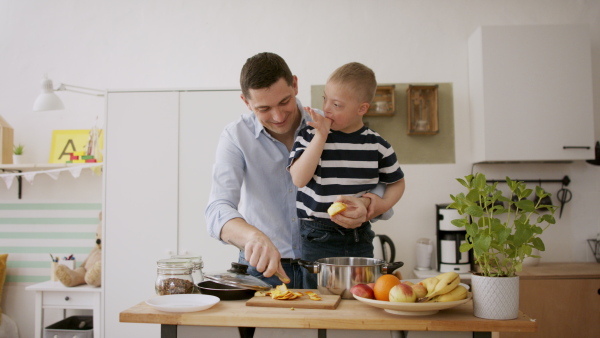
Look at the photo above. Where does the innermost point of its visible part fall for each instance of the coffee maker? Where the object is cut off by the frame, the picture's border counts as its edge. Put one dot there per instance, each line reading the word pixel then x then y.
pixel 449 239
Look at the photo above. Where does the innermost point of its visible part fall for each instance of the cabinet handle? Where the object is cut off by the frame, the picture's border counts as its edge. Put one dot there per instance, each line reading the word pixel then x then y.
pixel 67 298
pixel 576 147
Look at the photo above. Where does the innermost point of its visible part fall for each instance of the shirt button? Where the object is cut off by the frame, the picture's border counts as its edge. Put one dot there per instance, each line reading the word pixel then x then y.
pixel 291 190
pixel 293 220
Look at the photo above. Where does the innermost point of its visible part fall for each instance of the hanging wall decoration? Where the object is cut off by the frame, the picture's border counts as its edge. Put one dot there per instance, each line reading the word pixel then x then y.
pixel 422 110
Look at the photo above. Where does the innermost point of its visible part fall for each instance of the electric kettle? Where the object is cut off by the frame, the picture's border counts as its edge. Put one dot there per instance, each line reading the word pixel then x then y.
pixel 383 248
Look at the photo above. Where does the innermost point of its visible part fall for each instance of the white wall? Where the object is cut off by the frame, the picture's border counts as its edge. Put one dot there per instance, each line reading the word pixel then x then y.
pixel 203 44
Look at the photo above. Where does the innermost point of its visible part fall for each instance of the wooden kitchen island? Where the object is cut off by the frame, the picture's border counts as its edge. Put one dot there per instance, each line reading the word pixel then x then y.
pixel 349 315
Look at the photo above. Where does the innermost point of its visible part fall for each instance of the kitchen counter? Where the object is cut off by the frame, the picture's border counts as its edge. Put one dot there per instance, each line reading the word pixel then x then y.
pixel 561 271
pixel 349 315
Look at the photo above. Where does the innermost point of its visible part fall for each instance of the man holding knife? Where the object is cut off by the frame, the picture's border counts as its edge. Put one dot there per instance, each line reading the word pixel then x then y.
pixel 252 203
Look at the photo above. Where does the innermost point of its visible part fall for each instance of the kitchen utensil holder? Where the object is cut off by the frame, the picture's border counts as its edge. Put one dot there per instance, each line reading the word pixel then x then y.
pixel 595 246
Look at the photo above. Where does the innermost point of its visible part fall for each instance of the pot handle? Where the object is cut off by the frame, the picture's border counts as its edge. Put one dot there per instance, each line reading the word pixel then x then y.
pixel 312 267
pixel 388 268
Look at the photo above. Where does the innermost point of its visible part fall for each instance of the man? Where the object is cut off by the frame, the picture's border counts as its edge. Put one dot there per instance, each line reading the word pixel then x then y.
pixel 250 167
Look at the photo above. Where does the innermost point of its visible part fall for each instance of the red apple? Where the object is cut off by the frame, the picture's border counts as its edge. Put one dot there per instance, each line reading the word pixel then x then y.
pixel 419 290
pixel 402 293
pixel 362 290
pixel 371 285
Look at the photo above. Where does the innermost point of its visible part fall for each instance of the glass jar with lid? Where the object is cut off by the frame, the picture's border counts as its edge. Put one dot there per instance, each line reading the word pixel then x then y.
pixel 197 265
pixel 174 276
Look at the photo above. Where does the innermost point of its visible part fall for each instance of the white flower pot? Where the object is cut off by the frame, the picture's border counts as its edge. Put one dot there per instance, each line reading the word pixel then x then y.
pixel 495 297
pixel 17 159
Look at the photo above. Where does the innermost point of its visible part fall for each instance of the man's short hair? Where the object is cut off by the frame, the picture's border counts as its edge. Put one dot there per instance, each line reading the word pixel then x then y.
pixel 358 77
pixel 263 70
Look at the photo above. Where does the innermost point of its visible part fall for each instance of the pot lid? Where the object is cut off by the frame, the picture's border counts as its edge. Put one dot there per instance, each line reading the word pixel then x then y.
pixel 239 278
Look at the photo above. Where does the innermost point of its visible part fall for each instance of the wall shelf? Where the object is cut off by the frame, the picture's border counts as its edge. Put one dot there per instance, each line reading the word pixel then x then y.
pixel 8 172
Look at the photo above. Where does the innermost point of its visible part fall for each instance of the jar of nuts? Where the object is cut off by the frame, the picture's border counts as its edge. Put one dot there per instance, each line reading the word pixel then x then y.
pixel 174 276
pixel 197 265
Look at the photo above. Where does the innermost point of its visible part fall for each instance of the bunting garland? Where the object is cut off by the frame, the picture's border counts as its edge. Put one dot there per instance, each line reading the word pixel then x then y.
pixel 29 176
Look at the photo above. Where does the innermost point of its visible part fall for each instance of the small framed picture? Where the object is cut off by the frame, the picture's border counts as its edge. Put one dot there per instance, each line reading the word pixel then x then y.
pixel 76 146
pixel 422 110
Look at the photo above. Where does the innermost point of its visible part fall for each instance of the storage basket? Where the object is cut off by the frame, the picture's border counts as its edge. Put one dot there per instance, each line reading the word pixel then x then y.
pixel 70 327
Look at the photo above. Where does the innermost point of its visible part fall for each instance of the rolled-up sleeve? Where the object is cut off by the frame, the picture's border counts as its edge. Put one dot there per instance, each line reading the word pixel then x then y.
pixel 227 179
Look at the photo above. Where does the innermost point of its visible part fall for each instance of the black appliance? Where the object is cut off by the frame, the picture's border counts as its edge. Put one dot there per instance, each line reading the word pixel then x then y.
pixel 449 239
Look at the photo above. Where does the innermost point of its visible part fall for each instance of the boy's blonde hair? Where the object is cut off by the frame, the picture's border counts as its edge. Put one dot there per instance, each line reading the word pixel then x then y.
pixel 358 77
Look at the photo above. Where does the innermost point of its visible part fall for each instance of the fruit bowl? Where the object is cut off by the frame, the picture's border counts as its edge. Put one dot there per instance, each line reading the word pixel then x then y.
pixel 413 309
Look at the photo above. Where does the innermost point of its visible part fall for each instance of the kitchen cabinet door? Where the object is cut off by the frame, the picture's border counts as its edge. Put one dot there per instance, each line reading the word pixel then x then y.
pixel 531 93
pixel 141 182
pixel 561 307
pixel 203 115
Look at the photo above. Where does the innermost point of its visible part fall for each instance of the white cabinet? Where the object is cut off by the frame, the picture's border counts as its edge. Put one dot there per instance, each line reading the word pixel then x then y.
pixel 160 148
pixel 140 201
pixel 531 93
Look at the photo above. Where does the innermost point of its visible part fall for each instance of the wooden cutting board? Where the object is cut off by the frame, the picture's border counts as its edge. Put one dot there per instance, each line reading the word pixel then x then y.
pixel 327 302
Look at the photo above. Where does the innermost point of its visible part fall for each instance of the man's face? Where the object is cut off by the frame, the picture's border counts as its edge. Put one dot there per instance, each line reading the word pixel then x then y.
pixel 275 107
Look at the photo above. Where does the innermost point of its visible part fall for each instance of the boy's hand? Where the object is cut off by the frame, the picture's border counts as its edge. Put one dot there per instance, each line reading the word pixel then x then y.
pixel 354 215
pixel 319 122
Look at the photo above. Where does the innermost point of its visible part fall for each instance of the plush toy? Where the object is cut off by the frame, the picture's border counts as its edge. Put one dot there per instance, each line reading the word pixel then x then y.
pixel 90 271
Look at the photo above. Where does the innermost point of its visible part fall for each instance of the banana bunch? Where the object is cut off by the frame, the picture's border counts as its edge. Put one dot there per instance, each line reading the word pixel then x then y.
pixel 443 288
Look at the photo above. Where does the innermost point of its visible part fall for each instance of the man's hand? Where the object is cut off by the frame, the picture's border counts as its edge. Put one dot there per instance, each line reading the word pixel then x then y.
pixel 258 249
pixel 265 257
pixel 376 207
pixel 354 215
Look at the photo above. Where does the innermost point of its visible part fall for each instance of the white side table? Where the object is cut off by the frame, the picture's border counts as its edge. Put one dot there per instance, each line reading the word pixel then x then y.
pixel 54 295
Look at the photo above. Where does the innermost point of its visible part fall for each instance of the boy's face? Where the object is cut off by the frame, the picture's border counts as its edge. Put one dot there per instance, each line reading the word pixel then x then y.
pixel 342 105
pixel 275 107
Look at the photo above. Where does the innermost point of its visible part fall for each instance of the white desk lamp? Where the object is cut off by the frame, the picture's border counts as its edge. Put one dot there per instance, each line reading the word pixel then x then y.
pixel 48 100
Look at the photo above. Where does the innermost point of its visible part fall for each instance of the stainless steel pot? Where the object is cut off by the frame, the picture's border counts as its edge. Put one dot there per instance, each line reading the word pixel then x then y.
pixel 336 275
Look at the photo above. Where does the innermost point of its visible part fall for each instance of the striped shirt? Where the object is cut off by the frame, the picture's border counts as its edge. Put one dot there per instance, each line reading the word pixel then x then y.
pixel 351 164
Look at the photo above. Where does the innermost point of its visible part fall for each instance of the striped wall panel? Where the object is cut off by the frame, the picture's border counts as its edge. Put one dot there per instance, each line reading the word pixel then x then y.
pixel 31 232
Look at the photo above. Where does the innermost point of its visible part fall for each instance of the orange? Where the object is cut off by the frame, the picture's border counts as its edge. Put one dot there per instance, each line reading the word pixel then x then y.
pixel 383 285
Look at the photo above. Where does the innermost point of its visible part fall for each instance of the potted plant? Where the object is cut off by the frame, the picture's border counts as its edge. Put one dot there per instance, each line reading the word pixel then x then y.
pixel 502 231
pixel 17 153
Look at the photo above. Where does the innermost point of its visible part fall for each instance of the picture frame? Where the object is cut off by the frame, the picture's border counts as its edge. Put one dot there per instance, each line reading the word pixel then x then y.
pixel 65 142
pixel 422 109
pixel 384 102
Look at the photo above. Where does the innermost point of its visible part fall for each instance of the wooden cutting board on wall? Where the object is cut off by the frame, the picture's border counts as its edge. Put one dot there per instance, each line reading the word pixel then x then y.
pixel 327 302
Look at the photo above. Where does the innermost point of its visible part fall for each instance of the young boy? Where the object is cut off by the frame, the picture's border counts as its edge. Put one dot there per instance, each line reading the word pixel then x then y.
pixel 337 155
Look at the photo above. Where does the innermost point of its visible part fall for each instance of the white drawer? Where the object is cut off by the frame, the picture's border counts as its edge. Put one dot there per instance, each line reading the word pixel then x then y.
pixel 67 299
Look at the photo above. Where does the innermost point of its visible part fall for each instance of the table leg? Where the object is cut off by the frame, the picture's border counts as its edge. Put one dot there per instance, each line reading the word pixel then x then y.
pixel 168 331
pixel 246 332
pixel 322 333
pixel 482 335
pixel 398 334
pixel 39 314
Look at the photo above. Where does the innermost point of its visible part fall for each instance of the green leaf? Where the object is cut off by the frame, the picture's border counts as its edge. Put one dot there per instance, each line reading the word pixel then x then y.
pixel 464 247
pixel 525 205
pixel 522 235
pixel 474 210
pixel 460 222
pixel 538 244
pixel 548 218
pixel 482 243
pixel 472 229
